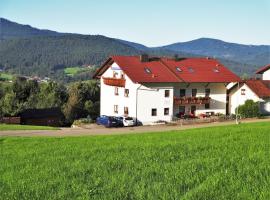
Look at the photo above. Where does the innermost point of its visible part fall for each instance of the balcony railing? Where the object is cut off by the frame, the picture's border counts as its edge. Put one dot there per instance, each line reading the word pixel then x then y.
pixel 191 100
pixel 119 82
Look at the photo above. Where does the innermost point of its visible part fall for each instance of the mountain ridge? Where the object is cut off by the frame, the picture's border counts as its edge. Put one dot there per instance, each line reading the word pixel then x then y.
pixel 28 50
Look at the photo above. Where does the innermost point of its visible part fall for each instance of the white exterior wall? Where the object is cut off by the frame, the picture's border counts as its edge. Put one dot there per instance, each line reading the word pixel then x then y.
pixel 266 75
pixel 152 95
pixel 236 98
pixel 108 99
pixel 148 97
pixel 217 95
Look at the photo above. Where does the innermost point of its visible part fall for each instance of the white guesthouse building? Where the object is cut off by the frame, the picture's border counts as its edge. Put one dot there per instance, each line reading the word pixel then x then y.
pixel 256 90
pixel 153 89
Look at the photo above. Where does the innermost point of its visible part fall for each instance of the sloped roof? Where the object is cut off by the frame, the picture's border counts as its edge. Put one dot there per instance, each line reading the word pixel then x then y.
pixel 201 70
pixel 260 87
pixel 263 69
pixel 171 70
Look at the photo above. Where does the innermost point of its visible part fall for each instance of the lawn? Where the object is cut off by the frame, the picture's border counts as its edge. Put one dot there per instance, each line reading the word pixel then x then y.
pixel 6 76
pixel 229 162
pixel 71 71
pixel 7 127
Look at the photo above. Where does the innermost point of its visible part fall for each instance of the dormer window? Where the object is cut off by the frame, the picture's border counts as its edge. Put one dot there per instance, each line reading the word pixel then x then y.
pixel 190 69
pixel 147 70
pixel 178 69
pixel 216 70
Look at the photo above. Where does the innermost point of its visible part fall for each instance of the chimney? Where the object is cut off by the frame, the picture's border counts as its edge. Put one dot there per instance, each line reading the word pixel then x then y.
pixel 144 58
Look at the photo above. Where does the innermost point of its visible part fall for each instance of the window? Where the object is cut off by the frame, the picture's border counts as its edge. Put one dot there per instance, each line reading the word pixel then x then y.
pixel 126 92
pixel 115 108
pixel 207 92
pixel 182 92
pixel 125 110
pixel 182 110
pixel 194 92
pixel 116 91
pixel 167 93
pixel 207 106
pixel 178 69
pixel 154 112
pixel 122 75
pixel 193 110
pixel 166 111
pixel 216 70
pixel 115 74
pixel 147 70
pixel 190 69
pixel 243 91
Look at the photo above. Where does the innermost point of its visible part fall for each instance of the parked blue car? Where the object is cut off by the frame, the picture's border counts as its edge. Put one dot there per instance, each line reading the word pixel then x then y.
pixel 108 121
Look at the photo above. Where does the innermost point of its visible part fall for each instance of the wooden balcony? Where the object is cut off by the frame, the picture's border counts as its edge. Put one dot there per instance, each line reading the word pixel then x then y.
pixel 191 100
pixel 119 82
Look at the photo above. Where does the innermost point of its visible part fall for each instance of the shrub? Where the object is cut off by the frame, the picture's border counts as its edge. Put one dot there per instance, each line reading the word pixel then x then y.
pixel 249 109
pixel 82 121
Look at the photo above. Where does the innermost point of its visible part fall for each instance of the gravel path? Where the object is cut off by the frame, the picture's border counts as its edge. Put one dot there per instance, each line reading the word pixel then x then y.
pixel 99 130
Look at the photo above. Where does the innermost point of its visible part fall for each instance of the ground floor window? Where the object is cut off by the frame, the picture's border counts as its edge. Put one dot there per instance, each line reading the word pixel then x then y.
pixel 126 110
pixel 154 112
pixel 207 106
pixel 193 110
pixel 115 108
pixel 182 109
pixel 116 91
pixel 166 111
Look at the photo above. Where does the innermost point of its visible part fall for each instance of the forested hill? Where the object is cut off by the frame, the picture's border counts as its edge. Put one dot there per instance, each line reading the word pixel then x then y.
pixel 44 55
pixel 9 29
pixel 31 51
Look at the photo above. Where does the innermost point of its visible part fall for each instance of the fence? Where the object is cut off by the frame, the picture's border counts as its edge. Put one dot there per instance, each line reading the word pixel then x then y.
pixel 10 120
pixel 211 119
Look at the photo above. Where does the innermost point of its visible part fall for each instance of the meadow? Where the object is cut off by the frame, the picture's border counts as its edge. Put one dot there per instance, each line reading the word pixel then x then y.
pixel 228 162
pixel 8 127
pixel 71 71
pixel 6 76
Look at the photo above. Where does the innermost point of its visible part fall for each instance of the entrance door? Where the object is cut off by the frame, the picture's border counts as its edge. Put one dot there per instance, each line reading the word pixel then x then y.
pixel 193 110
pixel 182 110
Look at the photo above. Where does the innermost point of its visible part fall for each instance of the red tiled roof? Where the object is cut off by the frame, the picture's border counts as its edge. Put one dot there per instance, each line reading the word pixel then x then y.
pixel 263 69
pixel 201 70
pixel 259 87
pixel 135 69
pixel 170 70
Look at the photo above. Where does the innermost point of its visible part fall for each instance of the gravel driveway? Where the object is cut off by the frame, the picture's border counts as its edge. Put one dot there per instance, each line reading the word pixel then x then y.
pixel 99 130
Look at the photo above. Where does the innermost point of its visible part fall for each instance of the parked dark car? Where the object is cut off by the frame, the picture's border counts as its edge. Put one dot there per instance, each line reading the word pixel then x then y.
pixel 108 121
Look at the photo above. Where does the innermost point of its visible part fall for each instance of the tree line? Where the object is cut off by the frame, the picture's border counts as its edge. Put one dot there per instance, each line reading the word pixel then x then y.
pixel 76 100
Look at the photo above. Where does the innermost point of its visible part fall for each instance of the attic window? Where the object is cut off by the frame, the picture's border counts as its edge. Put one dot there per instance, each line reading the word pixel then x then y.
pixel 190 69
pixel 216 70
pixel 147 70
pixel 178 69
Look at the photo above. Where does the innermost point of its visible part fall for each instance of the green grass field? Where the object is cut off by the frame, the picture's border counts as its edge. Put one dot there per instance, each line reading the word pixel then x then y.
pixel 71 71
pixel 230 162
pixel 7 127
pixel 6 76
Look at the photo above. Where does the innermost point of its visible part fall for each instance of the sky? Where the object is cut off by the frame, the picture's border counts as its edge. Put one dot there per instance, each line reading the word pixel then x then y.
pixel 149 22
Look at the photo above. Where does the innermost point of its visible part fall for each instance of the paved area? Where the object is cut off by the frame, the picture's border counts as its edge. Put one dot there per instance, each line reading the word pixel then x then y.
pixel 99 130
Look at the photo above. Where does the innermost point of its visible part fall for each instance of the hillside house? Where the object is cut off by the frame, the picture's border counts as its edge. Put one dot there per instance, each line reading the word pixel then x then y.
pixel 256 90
pixel 153 89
